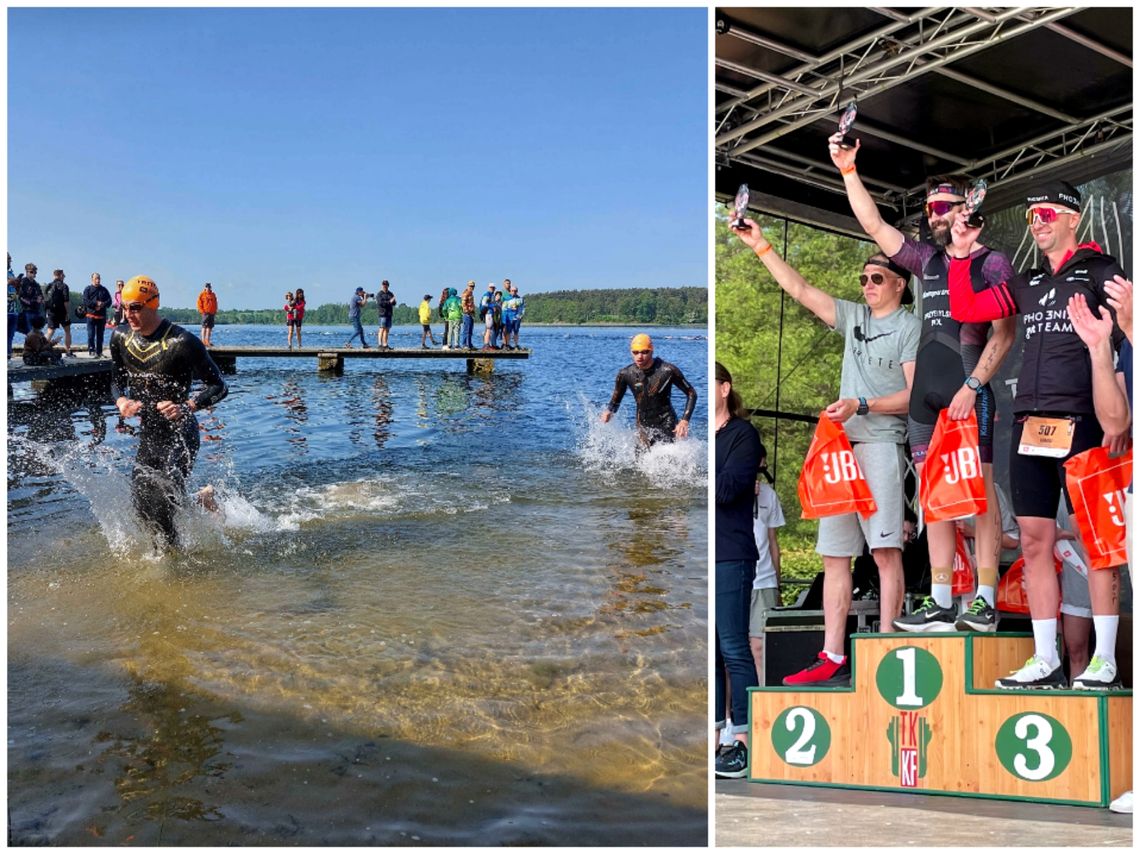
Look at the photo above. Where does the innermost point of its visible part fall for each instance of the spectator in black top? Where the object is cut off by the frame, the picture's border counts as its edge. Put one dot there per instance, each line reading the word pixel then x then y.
pixel 737 459
pixel 385 303
pixel 96 298
pixel 58 301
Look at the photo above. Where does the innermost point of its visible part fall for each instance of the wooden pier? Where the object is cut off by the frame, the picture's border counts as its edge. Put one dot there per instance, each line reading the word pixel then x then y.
pixel 329 360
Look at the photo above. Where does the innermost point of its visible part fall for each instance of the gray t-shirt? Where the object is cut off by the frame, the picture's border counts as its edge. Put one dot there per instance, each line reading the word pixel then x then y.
pixel 874 349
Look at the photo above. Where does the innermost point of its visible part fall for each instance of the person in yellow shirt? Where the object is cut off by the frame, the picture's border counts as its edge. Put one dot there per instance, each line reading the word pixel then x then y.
pixel 425 319
pixel 207 307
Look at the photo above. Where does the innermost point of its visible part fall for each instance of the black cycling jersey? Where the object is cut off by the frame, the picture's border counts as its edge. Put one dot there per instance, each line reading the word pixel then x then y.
pixel 651 390
pixel 153 368
pixel 1056 372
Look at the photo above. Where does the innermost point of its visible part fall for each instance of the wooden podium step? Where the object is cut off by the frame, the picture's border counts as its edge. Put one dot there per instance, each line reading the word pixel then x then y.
pixel 922 714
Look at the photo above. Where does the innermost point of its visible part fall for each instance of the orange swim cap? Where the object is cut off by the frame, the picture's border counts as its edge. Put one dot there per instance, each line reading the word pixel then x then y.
pixel 641 342
pixel 141 289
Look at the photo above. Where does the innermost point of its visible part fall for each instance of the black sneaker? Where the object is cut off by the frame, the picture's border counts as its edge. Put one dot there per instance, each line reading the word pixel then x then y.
pixel 930 617
pixel 732 760
pixel 979 617
pixel 1036 673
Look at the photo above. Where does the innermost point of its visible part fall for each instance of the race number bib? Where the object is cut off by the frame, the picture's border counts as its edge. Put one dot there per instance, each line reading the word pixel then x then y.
pixel 1046 437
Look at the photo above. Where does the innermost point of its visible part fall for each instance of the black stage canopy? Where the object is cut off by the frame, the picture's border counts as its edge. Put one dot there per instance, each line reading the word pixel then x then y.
pixel 1009 95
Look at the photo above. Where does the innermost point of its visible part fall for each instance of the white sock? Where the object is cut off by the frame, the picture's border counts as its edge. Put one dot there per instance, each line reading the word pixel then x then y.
pixel 835 659
pixel 1045 640
pixel 1106 626
pixel 986 592
pixel 941 594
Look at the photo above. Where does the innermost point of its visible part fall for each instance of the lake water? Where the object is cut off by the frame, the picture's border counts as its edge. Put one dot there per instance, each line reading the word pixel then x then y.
pixel 438 609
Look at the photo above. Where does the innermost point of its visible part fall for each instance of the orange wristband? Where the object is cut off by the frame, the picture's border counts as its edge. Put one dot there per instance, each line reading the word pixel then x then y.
pixel 765 250
pixel 848 170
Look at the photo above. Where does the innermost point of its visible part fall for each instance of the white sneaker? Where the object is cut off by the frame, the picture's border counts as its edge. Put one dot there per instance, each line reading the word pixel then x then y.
pixel 1100 675
pixel 1123 804
pixel 445 347
pixel 1036 673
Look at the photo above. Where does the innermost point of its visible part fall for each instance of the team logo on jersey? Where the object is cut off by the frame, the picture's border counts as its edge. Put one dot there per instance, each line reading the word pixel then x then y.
pixel 1049 298
pixel 909 735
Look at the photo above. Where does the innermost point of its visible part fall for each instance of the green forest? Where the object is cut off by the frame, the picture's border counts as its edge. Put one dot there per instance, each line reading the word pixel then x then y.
pixel 626 306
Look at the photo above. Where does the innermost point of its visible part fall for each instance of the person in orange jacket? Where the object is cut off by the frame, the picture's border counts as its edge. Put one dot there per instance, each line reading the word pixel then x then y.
pixel 207 307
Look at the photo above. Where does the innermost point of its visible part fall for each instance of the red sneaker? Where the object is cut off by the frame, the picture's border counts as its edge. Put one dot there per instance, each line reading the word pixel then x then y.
pixel 822 671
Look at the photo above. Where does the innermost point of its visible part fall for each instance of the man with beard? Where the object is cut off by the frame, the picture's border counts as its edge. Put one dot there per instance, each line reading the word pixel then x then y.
pixel 652 381
pixel 953 370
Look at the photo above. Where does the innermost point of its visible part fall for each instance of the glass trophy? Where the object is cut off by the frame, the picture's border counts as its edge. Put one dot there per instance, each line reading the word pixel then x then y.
pixel 741 206
pixel 845 123
pixel 974 199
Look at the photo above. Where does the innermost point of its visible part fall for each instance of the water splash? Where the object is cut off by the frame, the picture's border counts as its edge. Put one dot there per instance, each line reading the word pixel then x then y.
pixel 612 450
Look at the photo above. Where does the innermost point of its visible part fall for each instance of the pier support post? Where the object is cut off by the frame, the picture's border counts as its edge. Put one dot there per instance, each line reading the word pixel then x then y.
pixel 332 363
pixel 480 367
pixel 226 364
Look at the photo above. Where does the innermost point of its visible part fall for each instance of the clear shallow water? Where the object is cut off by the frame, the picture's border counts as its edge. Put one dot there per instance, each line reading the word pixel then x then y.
pixel 438 609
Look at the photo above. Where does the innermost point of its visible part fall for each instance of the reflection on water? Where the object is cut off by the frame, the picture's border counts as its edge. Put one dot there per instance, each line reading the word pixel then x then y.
pixel 434 608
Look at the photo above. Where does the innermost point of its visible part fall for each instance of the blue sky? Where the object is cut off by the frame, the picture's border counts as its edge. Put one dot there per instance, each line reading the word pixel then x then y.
pixel 268 149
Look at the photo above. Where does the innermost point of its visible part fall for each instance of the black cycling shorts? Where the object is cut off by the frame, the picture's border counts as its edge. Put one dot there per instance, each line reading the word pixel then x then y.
pixel 1036 484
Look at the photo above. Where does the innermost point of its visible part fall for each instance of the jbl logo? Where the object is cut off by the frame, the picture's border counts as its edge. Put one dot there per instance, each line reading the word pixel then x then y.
pixel 840 466
pixel 962 464
pixel 1115 501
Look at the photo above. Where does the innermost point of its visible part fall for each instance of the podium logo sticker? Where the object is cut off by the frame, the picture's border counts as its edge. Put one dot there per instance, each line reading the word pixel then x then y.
pixel 909 735
pixel 909 678
pixel 801 736
pixel 1033 746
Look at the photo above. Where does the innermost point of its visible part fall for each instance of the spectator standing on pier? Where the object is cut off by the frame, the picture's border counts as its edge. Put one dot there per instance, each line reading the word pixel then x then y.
pixel 487 315
pixel 96 298
pixel 468 301
pixel 453 311
pixel 117 302
pixel 497 320
pixel 385 304
pixel 355 304
pixel 299 313
pixel 207 307
pixel 513 309
pixel 31 298
pixel 13 304
pixel 290 317
pixel 425 321
pixel 57 299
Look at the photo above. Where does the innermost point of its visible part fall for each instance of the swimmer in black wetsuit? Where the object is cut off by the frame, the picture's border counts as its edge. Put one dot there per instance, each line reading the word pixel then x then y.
pixel 652 381
pixel 153 366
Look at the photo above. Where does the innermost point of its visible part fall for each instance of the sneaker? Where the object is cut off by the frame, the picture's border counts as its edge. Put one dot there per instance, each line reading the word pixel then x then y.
pixel 1036 673
pixel 1123 804
pixel 732 760
pixel 1100 675
pixel 822 671
pixel 930 617
pixel 979 617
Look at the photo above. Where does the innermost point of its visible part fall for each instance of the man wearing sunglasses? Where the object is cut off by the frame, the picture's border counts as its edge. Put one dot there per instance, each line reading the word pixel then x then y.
pixel 1054 412
pixel 153 366
pixel 953 370
pixel 652 381
pixel 880 340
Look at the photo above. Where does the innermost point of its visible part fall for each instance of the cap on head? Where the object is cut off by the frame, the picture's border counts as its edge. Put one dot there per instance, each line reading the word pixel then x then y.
pixel 427 296
pixel 641 342
pixel 1060 193
pixel 208 285
pixel 898 270
pixel 360 290
pixel 141 289
pixel 470 283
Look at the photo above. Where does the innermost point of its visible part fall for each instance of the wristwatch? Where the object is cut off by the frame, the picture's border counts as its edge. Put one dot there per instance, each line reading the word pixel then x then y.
pixel 863 408
pixel 973 383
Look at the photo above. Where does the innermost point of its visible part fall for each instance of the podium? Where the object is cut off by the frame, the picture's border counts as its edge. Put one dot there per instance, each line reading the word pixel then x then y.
pixel 922 714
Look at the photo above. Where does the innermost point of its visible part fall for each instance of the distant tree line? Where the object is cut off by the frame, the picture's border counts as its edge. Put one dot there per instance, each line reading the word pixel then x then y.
pixel 662 306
